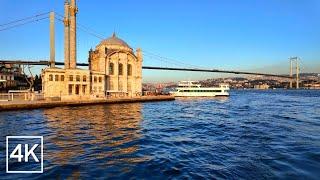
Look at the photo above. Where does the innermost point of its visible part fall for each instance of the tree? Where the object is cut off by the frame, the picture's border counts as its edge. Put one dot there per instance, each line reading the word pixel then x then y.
pixel 31 80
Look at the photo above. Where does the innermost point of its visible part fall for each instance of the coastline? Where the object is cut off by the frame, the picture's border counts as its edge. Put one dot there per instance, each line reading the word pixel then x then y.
pixel 20 105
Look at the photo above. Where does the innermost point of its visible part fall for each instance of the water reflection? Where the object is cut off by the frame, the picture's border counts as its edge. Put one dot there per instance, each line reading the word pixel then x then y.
pixel 89 133
pixel 270 134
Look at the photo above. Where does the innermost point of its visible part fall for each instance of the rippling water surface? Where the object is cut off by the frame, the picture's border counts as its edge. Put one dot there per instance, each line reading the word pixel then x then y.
pixel 251 134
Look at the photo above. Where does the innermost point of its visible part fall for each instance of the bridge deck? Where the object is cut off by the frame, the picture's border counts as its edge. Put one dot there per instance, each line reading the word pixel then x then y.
pixel 46 63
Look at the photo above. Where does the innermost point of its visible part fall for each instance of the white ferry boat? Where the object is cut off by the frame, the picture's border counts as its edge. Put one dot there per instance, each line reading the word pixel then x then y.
pixel 194 89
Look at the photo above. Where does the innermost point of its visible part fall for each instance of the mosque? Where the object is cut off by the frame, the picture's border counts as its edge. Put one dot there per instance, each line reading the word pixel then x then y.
pixel 115 70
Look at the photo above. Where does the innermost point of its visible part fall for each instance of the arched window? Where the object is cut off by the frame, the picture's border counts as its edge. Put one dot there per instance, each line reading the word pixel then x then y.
pixel 120 69
pixel 50 77
pixel 129 69
pixel 84 78
pixel 56 77
pixel 78 78
pixel 111 69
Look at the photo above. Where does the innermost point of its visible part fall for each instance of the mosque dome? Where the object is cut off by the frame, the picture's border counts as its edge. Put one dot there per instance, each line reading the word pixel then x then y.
pixel 114 41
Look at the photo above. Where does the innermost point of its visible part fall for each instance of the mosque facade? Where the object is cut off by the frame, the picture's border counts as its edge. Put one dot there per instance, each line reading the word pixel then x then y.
pixel 115 70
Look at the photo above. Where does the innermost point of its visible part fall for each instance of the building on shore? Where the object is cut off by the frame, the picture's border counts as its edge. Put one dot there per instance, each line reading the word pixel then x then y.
pixel 7 80
pixel 261 86
pixel 11 77
pixel 114 69
pixel 315 85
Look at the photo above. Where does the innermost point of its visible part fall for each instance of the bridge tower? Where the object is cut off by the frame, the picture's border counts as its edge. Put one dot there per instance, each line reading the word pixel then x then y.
pixel 297 68
pixel 297 73
pixel 52 40
pixel 290 73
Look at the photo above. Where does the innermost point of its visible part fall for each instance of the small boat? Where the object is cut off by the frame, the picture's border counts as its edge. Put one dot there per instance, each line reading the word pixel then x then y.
pixel 194 89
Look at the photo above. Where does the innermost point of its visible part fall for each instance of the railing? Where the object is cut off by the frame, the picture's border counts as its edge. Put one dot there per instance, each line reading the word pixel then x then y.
pixel 36 96
pixel 21 96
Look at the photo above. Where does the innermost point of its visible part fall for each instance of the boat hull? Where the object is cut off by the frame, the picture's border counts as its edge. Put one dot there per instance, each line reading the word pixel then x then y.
pixel 197 94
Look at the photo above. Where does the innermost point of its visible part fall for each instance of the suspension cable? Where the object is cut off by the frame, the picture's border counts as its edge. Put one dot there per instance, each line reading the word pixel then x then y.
pixel 149 54
pixel 35 20
pixel 80 27
pixel 168 60
pixel 23 19
pixel 86 29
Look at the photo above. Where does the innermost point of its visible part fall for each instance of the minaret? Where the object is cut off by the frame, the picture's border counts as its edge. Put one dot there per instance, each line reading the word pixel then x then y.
pixel 73 34
pixel 66 35
pixel 140 59
pixel 138 86
pixel 139 54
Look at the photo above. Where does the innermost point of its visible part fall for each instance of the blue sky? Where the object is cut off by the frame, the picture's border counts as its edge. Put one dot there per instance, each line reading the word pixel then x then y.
pixel 227 34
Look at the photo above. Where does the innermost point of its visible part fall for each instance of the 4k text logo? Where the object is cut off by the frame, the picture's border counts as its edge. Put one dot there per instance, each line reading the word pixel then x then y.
pixel 24 151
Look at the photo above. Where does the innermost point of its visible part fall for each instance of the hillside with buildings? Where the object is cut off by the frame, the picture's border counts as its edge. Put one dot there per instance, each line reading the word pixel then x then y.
pixel 308 81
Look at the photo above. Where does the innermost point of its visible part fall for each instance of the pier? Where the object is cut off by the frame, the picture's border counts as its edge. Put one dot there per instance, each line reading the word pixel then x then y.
pixel 20 105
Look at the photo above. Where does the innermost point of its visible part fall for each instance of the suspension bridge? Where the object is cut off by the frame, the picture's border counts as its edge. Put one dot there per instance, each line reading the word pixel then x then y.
pixel 52 61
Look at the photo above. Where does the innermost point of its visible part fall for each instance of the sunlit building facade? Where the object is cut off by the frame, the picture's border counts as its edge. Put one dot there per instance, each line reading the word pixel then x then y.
pixel 115 70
